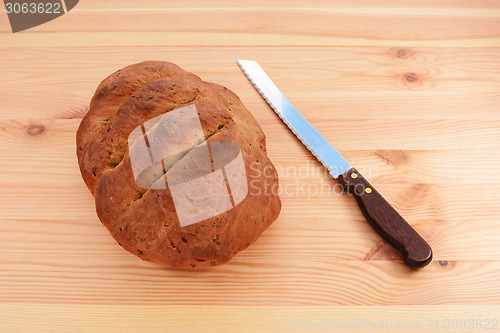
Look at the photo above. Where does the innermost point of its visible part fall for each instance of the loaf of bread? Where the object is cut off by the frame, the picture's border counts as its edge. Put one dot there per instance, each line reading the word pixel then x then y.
pixel 142 150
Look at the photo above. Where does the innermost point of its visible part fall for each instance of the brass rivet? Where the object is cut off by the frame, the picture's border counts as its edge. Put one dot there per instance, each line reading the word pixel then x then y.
pixel 368 190
pixel 354 175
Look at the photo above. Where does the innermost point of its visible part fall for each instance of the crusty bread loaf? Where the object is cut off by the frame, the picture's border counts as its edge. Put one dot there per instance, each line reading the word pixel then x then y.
pixel 143 220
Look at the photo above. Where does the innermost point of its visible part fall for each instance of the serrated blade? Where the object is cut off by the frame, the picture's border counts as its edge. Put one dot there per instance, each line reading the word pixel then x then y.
pixel 306 133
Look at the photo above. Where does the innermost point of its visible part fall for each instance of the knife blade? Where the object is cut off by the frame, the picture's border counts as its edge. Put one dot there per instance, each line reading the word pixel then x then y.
pixel 378 212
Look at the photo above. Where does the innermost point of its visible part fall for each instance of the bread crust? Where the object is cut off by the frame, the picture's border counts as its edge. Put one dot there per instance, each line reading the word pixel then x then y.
pixel 144 221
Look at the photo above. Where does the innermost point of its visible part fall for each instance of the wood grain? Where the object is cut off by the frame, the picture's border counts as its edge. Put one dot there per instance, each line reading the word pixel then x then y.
pixel 124 280
pixel 418 116
pixel 177 318
pixel 323 83
pixel 318 23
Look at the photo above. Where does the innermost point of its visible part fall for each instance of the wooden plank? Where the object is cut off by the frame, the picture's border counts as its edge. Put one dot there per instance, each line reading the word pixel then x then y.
pixel 312 225
pixel 433 152
pixel 42 167
pixel 158 4
pixel 456 4
pixel 310 20
pixel 185 318
pixel 328 83
pixel 318 24
pixel 126 280
pixel 113 39
pixel 106 39
pixel 376 134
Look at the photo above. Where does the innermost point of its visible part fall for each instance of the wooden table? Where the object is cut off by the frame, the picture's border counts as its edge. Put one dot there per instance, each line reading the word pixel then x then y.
pixel 409 93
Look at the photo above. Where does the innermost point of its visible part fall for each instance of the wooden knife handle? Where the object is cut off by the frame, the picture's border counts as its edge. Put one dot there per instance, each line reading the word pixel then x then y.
pixel 386 220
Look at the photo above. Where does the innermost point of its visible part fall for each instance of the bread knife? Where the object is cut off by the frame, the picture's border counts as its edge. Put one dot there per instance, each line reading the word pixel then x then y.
pixel 377 211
